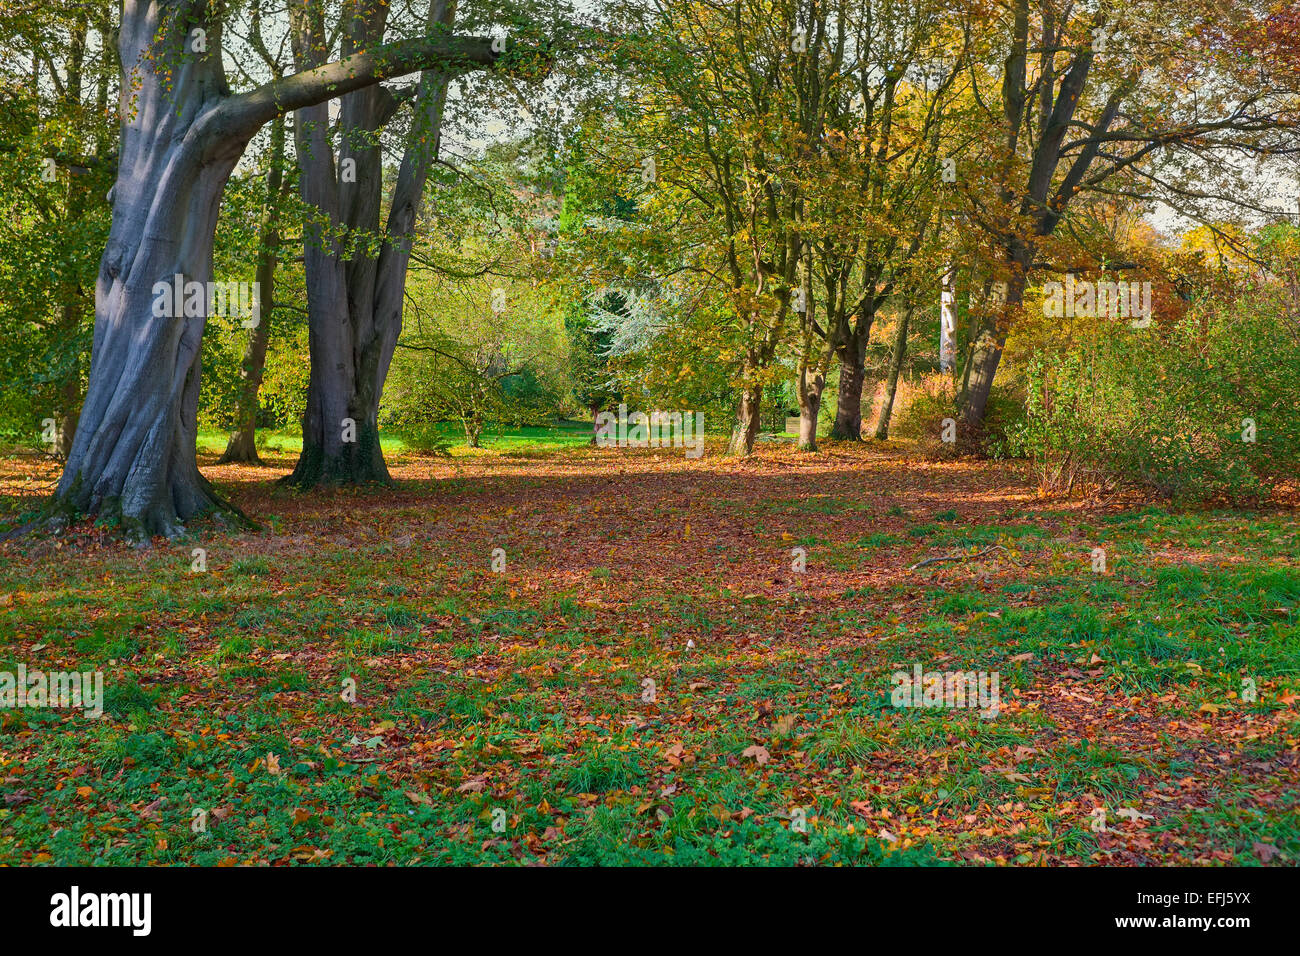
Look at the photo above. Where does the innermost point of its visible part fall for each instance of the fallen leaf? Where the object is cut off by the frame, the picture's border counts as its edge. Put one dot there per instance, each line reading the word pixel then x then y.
pixel 1265 851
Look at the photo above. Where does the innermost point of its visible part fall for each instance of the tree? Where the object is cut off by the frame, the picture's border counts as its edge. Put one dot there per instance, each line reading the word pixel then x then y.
pixel 183 131
pixel 1135 99
pixel 589 347
pixel 717 131
pixel 869 202
pixel 354 292
pixel 242 445
pixel 482 350
pixel 56 139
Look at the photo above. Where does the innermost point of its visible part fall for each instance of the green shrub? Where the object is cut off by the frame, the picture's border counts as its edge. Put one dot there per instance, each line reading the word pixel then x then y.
pixel 1164 408
pixel 426 438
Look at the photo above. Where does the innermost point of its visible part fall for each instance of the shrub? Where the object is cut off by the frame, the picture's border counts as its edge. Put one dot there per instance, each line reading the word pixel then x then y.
pixel 425 438
pixel 924 405
pixel 1166 409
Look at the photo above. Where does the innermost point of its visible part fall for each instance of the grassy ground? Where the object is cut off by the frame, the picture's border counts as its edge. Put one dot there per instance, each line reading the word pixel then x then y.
pixel 565 434
pixel 521 698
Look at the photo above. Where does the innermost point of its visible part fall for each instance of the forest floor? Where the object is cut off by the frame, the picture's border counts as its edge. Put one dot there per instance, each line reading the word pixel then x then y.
pixel 1147 713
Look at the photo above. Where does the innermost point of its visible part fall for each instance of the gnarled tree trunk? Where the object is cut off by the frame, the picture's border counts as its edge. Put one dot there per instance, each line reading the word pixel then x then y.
pixel 133 455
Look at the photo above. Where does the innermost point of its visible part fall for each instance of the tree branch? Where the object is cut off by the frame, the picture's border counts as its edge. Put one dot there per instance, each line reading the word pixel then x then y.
pixel 245 114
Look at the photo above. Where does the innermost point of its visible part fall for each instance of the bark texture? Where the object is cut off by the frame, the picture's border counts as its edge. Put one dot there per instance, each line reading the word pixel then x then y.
pixel 848 405
pixel 745 430
pixel 133 454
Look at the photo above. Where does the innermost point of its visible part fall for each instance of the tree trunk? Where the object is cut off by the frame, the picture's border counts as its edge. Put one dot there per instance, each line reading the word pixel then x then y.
pixel 242 446
pixel 984 366
pixel 71 390
pixel 355 299
pixel 947 319
pixel 848 406
pixel 82 197
pixel 747 421
pixel 813 361
pixel 595 423
pixel 133 454
pixel 810 404
pixel 891 388
pixel 986 354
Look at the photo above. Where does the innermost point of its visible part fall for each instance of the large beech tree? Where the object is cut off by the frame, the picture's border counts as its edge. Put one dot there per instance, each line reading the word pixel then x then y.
pixel 182 133
pixel 354 292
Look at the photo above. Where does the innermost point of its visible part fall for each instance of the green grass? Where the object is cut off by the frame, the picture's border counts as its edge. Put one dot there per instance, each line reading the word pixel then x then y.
pixel 523 694
pixel 564 434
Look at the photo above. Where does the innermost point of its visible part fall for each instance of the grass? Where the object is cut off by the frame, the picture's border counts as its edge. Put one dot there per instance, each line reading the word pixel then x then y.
pixel 650 681
pixel 499 439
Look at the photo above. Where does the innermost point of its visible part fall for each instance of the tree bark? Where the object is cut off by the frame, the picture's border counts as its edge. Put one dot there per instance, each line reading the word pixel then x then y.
pixel 71 402
pixel 810 405
pixel 133 456
pixel 814 356
pixel 848 405
pixel 747 421
pixel 891 387
pixel 986 353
